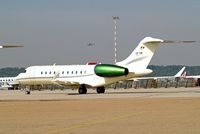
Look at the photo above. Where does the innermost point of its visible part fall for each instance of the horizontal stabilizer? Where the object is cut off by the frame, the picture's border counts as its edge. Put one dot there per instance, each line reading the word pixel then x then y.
pixel 173 41
pixel 10 46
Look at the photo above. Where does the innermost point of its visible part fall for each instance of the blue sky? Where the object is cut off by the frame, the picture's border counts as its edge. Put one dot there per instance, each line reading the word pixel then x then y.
pixel 58 31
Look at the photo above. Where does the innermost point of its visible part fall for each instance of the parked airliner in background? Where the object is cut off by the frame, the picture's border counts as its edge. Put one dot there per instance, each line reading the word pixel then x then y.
pixel 179 75
pixel 186 76
pixel 8 83
pixel 96 76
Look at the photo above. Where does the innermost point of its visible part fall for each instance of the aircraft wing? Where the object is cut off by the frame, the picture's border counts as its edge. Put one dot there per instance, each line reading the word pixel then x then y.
pixel 57 81
pixel 65 83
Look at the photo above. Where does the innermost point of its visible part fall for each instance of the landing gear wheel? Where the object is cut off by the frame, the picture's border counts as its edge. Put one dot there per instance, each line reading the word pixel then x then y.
pixel 82 90
pixel 100 90
pixel 27 92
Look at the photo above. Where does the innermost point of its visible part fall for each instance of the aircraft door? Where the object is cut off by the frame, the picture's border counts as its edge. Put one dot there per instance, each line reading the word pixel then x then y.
pixel 32 75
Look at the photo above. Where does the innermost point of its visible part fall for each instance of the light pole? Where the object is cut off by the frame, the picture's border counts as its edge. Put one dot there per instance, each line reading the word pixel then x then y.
pixel 115 18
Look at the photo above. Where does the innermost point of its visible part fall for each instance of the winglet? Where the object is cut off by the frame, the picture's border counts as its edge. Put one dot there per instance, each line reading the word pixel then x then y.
pixel 56 75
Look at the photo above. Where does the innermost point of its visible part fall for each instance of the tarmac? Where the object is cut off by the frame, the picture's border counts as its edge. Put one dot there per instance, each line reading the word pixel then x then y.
pixel 121 111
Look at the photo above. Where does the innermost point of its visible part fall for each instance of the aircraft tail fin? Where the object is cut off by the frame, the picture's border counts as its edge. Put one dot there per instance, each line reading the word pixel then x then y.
pixel 141 56
pixel 139 59
pixel 180 73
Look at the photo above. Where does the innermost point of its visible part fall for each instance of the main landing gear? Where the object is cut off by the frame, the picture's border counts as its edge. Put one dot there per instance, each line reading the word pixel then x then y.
pixel 100 90
pixel 83 90
pixel 27 91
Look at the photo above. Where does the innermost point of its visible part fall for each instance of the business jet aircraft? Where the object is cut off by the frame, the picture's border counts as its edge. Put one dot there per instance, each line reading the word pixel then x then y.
pixel 95 76
pixel 186 76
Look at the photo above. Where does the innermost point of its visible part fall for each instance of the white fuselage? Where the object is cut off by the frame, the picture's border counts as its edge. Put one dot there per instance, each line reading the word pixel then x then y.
pixel 69 75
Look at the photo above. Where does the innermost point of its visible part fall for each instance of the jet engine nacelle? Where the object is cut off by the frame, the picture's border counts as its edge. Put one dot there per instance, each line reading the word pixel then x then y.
pixel 108 70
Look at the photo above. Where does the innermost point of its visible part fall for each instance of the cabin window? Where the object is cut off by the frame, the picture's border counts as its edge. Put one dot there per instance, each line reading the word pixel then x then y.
pixel 67 72
pixel 62 72
pixel 85 72
pixel 45 72
pixel 76 72
pixel 80 72
pixel 72 72
pixel 41 72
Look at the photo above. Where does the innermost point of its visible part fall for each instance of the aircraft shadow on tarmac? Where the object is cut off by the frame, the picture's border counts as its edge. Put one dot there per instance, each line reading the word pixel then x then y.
pixel 140 92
